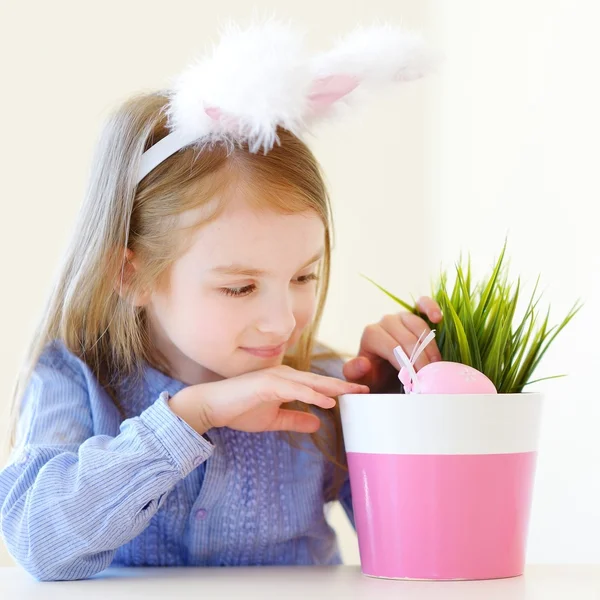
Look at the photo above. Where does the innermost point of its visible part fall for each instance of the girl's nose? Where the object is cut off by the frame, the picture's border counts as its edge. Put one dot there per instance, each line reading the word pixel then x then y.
pixel 278 318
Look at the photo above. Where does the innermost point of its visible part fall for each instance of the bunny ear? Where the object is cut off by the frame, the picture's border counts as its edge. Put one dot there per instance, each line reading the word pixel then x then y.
pixel 259 79
pixel 420 346
pixel 214 113
pixel 417 345
pixel 254 80
pixel 367 58
pixel 328 90
pixel 405 362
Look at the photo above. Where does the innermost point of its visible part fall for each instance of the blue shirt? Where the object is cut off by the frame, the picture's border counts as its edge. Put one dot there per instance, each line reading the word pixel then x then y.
pixel 85 489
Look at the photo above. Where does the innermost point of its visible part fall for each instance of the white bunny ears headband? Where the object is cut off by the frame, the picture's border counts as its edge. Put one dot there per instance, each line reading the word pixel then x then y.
pixel 258 79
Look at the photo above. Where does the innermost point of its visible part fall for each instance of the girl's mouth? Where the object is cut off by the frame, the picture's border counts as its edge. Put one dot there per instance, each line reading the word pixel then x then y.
pixel 265 351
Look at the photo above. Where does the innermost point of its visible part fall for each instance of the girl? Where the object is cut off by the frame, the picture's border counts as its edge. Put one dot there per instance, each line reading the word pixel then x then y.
pixel 178 345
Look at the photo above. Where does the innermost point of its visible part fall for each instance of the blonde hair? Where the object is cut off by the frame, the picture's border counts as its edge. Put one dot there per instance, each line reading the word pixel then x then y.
pixel 87 313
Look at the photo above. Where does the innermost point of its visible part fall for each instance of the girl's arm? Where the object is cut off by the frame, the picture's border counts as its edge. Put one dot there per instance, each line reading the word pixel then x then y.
pixel 68 498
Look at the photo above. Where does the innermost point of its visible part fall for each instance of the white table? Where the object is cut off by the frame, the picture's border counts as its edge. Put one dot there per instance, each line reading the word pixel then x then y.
pixel 546 582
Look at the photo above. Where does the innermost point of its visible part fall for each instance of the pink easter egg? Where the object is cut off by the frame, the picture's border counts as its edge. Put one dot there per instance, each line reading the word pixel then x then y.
pixel 453 378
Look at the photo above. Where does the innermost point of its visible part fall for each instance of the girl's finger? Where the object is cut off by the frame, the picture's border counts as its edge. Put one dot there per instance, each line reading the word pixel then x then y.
pixel 431 308
pixel 378 342
pixel 417 326
pixel 359 370
pixel 404 336
pixel 294 420
pixel 285 390
pixel 330 386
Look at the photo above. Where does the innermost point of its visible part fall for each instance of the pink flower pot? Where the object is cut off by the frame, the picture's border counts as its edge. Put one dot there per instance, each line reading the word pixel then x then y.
pixel 441 484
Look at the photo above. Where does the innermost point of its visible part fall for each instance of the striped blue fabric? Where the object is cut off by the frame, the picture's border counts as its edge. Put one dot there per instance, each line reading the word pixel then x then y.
pixel 85 489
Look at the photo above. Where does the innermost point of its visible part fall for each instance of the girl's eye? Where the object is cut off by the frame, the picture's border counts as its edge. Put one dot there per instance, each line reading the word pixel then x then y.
pixel 307 278
pixel 239 291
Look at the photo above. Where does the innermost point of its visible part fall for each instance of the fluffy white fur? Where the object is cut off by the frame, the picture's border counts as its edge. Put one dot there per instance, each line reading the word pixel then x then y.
pixel 260 78
pixel 376 56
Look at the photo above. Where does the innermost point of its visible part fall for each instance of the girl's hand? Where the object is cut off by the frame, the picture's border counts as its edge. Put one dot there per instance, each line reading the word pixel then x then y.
pixel 375 364
pixel 252 402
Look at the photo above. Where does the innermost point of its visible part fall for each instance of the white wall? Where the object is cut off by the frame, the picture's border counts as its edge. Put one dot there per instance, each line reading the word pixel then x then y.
pixel 514 149
pixel 510 129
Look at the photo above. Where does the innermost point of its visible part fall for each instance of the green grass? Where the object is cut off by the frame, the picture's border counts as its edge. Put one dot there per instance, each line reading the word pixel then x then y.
pixel 480 327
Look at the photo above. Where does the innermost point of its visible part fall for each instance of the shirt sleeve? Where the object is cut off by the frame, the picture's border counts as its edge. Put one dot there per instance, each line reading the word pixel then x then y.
pixel 68 498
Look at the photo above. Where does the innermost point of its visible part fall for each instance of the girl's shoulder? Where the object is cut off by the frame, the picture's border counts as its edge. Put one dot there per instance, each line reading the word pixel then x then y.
pixel 60 400
pixel 57 366
pixel 57 358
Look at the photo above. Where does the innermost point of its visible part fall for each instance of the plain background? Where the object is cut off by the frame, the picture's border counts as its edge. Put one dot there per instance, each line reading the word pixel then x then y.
pixel 502 141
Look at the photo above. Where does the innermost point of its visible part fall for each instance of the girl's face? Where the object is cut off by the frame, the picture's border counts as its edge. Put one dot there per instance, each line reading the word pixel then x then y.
pixel 241 295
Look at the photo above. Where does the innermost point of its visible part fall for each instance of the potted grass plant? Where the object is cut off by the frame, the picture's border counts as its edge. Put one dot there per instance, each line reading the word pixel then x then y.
pixel 442 476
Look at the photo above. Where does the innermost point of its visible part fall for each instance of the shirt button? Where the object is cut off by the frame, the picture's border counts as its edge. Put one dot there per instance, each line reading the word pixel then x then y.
pixel 201 514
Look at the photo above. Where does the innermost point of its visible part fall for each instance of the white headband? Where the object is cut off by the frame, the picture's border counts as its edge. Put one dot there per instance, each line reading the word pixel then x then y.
pixel 258 79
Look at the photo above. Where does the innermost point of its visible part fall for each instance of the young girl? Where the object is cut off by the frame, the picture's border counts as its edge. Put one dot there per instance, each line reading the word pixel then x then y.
pixel 178 346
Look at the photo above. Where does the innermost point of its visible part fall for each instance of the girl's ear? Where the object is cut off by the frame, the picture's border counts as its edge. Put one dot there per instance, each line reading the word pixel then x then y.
pixel 129 266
